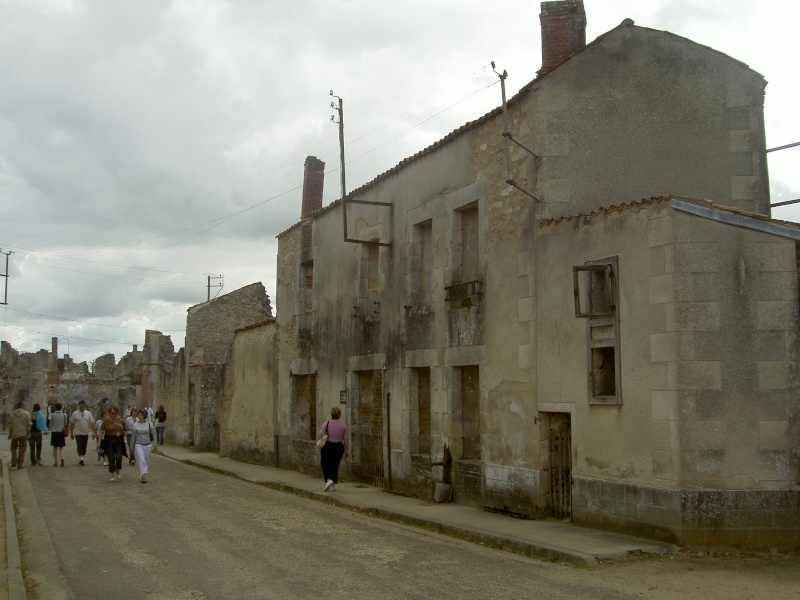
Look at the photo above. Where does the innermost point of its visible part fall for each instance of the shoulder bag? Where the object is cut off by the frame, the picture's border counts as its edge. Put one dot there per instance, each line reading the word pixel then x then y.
pixel 324 439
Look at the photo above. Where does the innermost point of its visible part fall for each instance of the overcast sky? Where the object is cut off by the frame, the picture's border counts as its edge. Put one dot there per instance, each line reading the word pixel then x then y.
pixel 147 144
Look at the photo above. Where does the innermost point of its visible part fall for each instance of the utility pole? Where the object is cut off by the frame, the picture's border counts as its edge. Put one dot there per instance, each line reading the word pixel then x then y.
pixel 5 276
pixel 220 285
pixel 340 110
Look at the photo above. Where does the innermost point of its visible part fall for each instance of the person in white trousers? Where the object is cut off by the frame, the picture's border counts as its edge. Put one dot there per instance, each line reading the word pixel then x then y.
pixel 144 442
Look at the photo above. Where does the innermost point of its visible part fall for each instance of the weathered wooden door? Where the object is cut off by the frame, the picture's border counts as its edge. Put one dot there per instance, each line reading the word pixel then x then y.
pixel 560 466
pixel 368 465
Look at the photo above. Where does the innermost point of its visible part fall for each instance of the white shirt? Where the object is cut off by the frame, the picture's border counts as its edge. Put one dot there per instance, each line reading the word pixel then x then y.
pixel 81 422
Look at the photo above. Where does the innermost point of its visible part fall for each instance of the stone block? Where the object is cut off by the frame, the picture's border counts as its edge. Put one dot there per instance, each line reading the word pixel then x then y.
pixel 557 192
pixel 697 257
pixel 739 95
pixel 740 140
pixel 525 357
pixel 660 437
pixel 665 405
pixel 699 375
pixel 777 256
pixel 693 316
pixel 525 309
pixel 665 465
pixel 658 260
pixel 524 263
pixel 708 435
pixel 773 374
pixel 660 231
pixel 773 435
pixel 743 187
pixel 775 286
pixel 556 144
pixel 782 540
pixel 710 462
pixel 659 516
pixel 775 315
pixel 657 317
pixel 709 405
pixel 663 347
pixel 697 287
pixel 770 345
pixel 662 289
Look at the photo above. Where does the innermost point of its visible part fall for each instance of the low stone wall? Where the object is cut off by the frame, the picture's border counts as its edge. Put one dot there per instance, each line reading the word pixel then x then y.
pixel 768 519
pixel 467 482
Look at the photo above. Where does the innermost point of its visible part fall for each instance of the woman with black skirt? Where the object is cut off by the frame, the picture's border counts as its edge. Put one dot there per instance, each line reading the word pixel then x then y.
pixel 333 450
pixel 58 438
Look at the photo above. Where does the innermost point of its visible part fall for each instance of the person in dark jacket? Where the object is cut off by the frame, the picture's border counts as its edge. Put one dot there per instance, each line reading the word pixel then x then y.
pixel 38 427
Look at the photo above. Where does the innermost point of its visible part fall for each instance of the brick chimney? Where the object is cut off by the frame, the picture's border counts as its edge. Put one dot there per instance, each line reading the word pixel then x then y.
pixel 563 32
pixel 313 182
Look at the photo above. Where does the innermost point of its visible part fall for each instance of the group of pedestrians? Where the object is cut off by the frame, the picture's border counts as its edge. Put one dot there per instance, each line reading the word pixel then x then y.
pixel 135 437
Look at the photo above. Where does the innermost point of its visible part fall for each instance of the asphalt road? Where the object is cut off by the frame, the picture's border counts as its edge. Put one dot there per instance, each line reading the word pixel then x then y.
pixel 193 534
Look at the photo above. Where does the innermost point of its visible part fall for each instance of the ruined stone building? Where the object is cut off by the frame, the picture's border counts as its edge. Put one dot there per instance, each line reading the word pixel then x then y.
pixel 45 379
pixel 612 339
pixel 193 392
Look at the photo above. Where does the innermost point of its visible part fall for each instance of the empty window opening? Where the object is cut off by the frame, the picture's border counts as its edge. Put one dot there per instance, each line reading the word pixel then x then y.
pixel 424 262
pixel 371 271
pixel 604 378
pixel 307 293
pixel 469 244
pixel 424 406
pixel 470 412
pixel 304 406
pixel 595 290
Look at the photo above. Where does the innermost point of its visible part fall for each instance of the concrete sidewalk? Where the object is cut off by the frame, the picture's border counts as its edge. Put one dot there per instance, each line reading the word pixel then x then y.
pixel 542 539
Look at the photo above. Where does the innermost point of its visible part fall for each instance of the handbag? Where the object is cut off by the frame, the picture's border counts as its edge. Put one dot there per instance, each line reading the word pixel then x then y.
pixel 150 429
pixel 324 439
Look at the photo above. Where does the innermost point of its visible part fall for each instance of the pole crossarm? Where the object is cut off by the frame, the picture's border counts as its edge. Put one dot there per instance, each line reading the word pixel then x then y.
pixel 510 138
pixel 5 277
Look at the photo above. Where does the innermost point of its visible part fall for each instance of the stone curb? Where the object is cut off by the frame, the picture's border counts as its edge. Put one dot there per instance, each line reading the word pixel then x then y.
pixel 538 551
pixel 16 583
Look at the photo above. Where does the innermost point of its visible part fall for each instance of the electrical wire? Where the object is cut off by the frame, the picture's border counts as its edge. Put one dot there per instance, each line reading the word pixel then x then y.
pixel 96 262
pixel 37 264
pixel 219 221
pixel 83 322
pixel 389 123
pixel 71 337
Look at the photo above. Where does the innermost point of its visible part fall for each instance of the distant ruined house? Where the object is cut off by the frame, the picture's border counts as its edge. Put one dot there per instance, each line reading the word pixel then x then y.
pixel 45 379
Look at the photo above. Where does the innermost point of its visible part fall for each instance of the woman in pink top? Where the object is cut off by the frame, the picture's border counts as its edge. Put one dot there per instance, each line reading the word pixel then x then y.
pixel 334 449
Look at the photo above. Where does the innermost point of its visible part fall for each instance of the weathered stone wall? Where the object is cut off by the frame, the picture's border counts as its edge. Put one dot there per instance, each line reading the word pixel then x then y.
pixel 210 325
pixel 210 331
pixel 632 116
pixel 629 117
pixel 709 322
pixel 248 416
pixel 173 393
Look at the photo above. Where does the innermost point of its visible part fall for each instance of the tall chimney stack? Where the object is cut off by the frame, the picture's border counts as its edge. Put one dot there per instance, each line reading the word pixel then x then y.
pixel 563 32
pixel 313 182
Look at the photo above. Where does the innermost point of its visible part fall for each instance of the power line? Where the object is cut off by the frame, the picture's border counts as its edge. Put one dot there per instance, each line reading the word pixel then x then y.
pixel 237 183
pixel 216 222
pixel 72 337
pixel 95 262
pixel 85 322
pixel 37 264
